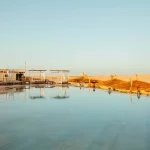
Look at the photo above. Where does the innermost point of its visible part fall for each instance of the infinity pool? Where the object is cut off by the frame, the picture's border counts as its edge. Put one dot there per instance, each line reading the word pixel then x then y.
pixel 43 118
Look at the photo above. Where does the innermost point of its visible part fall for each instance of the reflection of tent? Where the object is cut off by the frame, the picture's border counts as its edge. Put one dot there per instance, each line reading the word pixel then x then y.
pixel 41 96
pixel 62 95
pixel 36 97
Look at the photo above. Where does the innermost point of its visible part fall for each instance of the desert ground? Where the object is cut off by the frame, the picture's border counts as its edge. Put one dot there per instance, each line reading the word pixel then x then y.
pixel 141 77
pixel 124 83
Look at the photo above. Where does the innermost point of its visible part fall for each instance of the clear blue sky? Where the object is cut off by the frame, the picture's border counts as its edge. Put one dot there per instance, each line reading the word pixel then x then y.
pixel 94 36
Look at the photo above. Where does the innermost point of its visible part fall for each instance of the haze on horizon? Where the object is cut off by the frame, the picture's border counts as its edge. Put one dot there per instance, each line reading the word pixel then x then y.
pixel 97 37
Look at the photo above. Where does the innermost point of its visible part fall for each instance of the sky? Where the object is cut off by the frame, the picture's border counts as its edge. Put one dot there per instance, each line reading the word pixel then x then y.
pixel 93 36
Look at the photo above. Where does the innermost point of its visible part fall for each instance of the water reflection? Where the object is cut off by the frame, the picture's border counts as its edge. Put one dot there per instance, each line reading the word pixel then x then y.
pixel 138 94
pixel 130 99
pixel 109 90
pixel 87 121
pixel 37 92
pixel 47 92
pixel 10 92
pixel 62 94
pixel 39 95
pixel 94 89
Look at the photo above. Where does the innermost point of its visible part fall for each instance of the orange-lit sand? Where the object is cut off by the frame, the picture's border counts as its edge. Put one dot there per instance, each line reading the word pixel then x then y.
pixel 118 83
pixel 142 77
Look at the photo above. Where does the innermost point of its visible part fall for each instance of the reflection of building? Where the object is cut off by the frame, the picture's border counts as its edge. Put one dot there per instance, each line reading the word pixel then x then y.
pixel 10 92
pixel 11 75
pixel 40 92
pixel 40 95
pixel 62 94
pixel 37 92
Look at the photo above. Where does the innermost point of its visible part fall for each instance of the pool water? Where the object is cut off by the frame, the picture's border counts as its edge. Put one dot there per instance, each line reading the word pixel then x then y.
pixel 44 118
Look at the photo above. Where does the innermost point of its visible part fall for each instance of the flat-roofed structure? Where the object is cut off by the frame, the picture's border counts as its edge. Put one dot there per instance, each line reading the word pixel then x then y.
pixel 34 76
pixel 61 76
pixel 37 75
pixel 11 75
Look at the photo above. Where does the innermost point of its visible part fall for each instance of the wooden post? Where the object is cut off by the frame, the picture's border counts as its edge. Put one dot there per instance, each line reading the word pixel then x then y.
pixel 11 76
pixel 51 76
pixel 41 75
pixel 29 76
pixel 83 74
pixel 89 82
pixel 68 77
pixel 137 77
pixel 32 77
pixel 112 77
pixel 61 77
pixel 25 71
pixel 3 75
pixel 44 75
pixel 131 83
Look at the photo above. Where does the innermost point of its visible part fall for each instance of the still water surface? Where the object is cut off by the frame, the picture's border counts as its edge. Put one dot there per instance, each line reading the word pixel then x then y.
pixel 73 119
